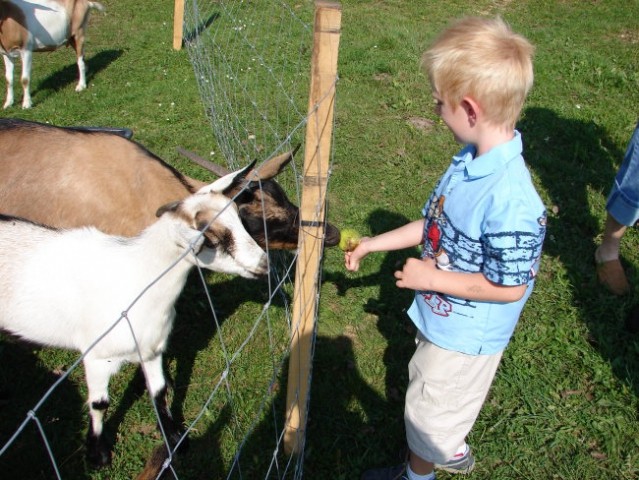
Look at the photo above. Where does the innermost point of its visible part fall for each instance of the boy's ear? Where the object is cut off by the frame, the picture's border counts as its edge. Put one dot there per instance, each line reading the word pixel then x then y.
pixel 472 109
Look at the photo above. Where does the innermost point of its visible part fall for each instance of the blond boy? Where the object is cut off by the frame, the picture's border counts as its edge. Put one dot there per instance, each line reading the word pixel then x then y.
pixel 481 236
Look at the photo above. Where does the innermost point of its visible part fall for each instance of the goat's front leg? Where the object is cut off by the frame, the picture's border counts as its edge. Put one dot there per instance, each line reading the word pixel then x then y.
pixel 8 75
pixel 26 77
pixel 157 386
pixel 26 56
pixel 82 74
pixel 98 373
pixel 77 43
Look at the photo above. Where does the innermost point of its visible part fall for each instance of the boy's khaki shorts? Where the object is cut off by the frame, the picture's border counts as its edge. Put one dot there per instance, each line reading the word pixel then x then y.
pixel 446 391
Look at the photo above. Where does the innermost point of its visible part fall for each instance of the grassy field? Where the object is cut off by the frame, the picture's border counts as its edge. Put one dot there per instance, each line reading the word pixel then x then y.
pixel 566 399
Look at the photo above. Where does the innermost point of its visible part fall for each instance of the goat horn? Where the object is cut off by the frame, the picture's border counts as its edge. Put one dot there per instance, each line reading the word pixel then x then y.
pixel 210 166
pixel 269 169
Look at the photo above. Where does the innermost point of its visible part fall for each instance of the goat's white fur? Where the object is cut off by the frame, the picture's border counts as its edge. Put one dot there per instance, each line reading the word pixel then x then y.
pixel 28 26
pixel 66 288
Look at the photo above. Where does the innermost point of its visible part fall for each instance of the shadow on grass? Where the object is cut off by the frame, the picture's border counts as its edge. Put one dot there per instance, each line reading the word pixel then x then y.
pixel 381 439
pixel 194 327
pixel 571 158
pixel 69 74
pixel 333 427
pixel 194 34
pixel 349 422
pixel 23 381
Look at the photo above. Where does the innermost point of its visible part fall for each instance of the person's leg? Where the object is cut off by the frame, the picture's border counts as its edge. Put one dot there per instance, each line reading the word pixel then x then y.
pixel 622 209
pixel 444 397
pixel 419 465
pixel 611 240
pixel 455 386
pixel 609 270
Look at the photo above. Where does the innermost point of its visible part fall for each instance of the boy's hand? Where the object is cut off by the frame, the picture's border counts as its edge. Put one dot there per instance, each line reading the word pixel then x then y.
pixel 416 274
pixel 352 259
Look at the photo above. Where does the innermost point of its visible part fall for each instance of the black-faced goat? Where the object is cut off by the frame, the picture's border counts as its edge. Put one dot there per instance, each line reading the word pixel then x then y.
pixel 48 295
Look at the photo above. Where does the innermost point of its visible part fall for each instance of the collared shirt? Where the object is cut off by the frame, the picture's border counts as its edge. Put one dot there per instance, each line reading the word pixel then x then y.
pixel 483 216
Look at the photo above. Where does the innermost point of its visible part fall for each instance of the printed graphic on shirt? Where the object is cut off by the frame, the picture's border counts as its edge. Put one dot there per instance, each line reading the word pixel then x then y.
pixel 443 305
pixel 438 304
pixel 506 258
pixel 433 233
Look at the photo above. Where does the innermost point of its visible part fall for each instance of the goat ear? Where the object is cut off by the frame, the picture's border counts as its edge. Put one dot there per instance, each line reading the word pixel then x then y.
pixel 229 183
pixel 169 207
pixel 272 167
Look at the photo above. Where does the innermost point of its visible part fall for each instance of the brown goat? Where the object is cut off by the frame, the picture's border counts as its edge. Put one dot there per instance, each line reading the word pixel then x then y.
pixel 70 177
pixel 37 26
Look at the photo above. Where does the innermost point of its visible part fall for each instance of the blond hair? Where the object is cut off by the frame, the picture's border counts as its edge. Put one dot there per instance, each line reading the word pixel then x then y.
pixel 485 60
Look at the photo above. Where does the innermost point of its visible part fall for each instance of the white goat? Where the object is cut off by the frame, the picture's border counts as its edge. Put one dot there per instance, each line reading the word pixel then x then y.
pixel 49 296
pixel 28 26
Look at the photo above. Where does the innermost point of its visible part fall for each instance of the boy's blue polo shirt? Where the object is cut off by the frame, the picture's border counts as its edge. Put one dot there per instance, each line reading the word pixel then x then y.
pixel 491 220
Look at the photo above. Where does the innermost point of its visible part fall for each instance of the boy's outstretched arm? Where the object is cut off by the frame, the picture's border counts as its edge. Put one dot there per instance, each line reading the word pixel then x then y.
pixel 419 274
pixel 406 236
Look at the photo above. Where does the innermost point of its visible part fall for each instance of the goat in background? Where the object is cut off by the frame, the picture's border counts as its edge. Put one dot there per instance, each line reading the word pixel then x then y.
pixel 28 26
pixel 50 297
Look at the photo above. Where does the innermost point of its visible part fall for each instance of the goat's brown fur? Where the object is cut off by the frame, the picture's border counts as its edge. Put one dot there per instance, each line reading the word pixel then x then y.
pixel 13 32
pixel 53 180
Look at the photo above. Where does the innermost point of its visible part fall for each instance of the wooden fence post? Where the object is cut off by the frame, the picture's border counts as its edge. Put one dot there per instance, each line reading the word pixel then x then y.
pixel 178 24
pixel 319 132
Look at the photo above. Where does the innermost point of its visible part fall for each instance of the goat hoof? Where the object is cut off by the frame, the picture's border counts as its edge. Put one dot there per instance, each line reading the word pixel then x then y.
pixel 98 454
pixel 99 460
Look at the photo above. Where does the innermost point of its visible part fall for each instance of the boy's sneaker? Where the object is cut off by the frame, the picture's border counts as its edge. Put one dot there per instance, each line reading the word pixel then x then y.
pixel 397 472
pixel 464 464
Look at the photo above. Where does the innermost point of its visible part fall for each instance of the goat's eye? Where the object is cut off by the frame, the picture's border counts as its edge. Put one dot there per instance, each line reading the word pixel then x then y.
pixel 245 196
pixel 201 227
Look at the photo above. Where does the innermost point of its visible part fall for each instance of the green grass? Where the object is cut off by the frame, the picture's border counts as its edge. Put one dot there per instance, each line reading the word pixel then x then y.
pixel 565 401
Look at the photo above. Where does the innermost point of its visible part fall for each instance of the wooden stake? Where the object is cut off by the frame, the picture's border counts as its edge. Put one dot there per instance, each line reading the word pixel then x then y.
pixel 319 131
pixel 178 24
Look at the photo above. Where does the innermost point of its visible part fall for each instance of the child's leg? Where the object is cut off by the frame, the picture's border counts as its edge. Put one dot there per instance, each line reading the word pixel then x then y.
pixel 445 394
pixel 419 465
